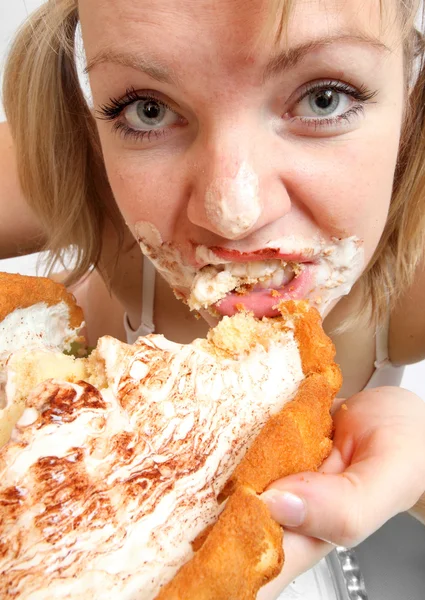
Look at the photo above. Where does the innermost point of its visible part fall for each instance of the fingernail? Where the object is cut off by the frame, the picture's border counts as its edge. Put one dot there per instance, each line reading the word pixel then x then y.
pixel 284 507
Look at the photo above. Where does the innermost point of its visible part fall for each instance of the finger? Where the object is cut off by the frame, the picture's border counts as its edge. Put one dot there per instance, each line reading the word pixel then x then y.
pixel 335 462
pixel 375 471
pixel 337 404
pixel 301 553
pixel 343 508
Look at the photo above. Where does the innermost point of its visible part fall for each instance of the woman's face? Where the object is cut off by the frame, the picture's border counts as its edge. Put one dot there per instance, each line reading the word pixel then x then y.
pixel 222 148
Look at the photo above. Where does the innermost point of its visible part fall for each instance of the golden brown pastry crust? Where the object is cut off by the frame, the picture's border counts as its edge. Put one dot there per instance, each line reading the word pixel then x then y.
pixel 22 291
pixel 243 550
pixel 241 553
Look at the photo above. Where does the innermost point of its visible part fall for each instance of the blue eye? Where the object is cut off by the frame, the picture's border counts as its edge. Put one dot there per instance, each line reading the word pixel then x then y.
pixel 329 99
pixel 325 102
pixel 140 114
pixel 148 114
pixel 322 103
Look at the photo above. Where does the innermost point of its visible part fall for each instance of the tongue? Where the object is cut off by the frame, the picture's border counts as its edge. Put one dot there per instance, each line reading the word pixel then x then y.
pixel 262 302
pixel 259 301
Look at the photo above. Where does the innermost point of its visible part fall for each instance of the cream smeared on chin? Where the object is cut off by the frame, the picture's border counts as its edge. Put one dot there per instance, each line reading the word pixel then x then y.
pixel 227 280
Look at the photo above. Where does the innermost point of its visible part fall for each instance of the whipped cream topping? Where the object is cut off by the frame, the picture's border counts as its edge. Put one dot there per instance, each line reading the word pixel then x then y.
pixel 334 264
pixel 25 369
pixel 103 491
pixel 36 326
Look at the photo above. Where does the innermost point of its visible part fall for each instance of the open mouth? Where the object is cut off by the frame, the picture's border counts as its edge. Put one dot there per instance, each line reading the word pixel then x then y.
pixel 253 286
pixel 224 281
pixel 263 274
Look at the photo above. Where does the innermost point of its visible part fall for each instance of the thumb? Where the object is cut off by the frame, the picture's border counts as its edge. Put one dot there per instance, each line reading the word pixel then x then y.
pixel 342 508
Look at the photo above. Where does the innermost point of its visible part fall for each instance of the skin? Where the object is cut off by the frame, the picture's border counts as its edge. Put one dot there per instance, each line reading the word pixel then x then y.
pixel 331 180
pixel 226 118
pixel 167 180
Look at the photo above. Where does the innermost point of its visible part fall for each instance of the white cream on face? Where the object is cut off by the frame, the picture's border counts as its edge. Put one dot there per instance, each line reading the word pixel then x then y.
pixel 232 205
pixel 336 265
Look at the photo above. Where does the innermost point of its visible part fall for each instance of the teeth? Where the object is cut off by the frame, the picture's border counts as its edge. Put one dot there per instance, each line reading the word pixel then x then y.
pixel 270 274
pixel 236 269
pixel 213 282
pixel 263 269
pixel 280 277
pixel 254 270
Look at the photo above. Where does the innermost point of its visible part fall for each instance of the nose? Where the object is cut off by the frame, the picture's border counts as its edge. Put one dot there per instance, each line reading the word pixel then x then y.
pixel 232 204
pixel 234 192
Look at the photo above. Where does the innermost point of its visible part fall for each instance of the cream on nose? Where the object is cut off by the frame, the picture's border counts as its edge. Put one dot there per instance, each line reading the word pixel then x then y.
pixel 232 204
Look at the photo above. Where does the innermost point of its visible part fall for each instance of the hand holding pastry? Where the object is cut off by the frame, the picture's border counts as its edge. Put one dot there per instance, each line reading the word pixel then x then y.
pixel 376 470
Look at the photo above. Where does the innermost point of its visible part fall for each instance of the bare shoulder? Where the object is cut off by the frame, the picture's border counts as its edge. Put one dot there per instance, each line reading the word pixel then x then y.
pixel 111 290
pixel 20 232
pixel 407 331
pixel 103 313
pixel 121 266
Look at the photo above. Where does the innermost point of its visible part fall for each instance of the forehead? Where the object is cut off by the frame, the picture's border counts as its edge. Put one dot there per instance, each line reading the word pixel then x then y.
pixel 203 32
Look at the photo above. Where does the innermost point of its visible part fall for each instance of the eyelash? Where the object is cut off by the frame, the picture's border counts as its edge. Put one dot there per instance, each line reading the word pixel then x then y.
pixel 362 95
pixel 111 111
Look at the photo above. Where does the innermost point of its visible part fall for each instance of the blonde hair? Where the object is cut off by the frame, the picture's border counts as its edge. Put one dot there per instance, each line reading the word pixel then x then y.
pixel 58 152
pixel 63 176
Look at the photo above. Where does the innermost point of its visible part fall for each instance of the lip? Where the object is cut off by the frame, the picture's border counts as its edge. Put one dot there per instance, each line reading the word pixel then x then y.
pixel 231 255
pixel 262 302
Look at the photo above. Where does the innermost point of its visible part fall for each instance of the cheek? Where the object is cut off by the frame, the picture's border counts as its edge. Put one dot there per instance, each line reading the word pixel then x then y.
pixel 143 189
pixel 353 183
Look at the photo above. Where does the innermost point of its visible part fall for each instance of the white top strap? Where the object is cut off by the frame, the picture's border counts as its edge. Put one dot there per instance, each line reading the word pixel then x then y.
pixel 148 294
pixel 148 297
pixel 385 373
pixel 381 341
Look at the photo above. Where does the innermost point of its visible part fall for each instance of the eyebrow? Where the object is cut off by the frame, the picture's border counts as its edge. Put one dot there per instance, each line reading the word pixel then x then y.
pixel 139 62
pixel 285 60
pixel 289 58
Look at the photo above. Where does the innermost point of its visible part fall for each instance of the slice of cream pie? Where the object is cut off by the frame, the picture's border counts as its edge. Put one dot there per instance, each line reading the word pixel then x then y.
pixel 140 480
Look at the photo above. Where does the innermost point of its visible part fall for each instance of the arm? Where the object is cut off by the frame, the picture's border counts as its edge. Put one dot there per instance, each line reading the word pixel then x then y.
pixel 20 232
pixel 407 331
pixel 407 341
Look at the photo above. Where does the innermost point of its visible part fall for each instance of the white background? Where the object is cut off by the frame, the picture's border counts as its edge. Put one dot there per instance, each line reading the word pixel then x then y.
pixel 12 13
